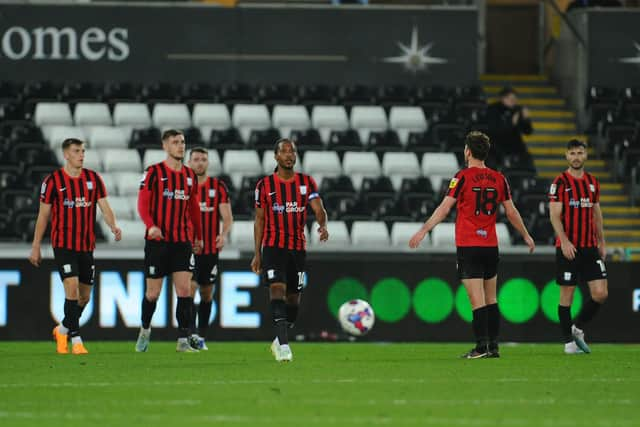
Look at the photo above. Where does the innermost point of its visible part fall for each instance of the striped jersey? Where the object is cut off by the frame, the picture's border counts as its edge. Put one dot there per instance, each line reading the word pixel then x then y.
pixel 577 195
pixel 73 208
pixel 285 205
pixel 479 193
pixel 170 193
pixel 212 193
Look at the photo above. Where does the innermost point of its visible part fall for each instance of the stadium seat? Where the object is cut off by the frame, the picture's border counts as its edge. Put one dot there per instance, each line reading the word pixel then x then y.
pixel 211 116
pixel 367 235
pixel 241 236
pixel 52 113
pixel 133 231
pixel 407 119
pixel 110 183
pixel 195 92
pixel 239 163
pixel 237 93
pixel 56 134
pixel 171 116
pixel 384 141
pixel 131 114
pixel 76 92
pixel 115 92
pixel 327 118
pixel 401 232
pixel 269 163
pixel 122 208
pixel 439 167
pixel 318 94
pixel 444 235
pixel 263 140
pixel 368 118
pixel 344 140
pixel 321 163
pixel 247 117
pixel 504 237
pixel 356 94
pixel 286 118
pixel 152 157
pixel 160 92
pixel 121 160
pixel 215 165
pixel 359 165
pixel 93 160
pixel 126 183
pixel 338 237
pixel 273 94
pixel 400 165
pixel 108 137
pixel 92 114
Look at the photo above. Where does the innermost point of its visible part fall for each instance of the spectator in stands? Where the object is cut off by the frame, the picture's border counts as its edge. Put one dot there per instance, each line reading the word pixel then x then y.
pixel 69 197
pixel 478 191
pixel 507 121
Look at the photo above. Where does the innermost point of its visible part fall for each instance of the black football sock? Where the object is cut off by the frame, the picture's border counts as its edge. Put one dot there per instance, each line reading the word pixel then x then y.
pixel 72 317
pixel 480 328
pixel 493 322
pixel 564 314
pixel 193 312
pixel 292 314
pixel 183 314
pixel 148 308
pixel 204 312
pixel 279 314
pixel 589 310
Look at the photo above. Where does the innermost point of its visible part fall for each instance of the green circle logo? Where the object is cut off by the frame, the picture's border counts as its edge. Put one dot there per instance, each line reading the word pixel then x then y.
pixel 433 300
pixel 390 299
pixel 343 290
pixel 550 299
pixel 463 305
pixel 518 300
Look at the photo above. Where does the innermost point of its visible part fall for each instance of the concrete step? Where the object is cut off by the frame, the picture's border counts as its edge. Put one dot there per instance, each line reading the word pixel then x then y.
pixel 624 235
pixel 621 223
pixel 522 90
pixel 515 78
pixel 552 114
pixel 562 163
pixel 553 151
pixel 536 102
pixel 620 211
pixel 541 127
pixel 537 137
pixel 550 174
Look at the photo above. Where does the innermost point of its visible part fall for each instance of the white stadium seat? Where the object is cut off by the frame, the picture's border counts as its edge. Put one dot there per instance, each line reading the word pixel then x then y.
pixel 108 137
pixel 444 164
pixel 56 134
pixel 369 234
pixel 249 117
pixel 122 208
pixel 241 236
pixel 92 114
pixel 504 237
pixel 338 236
pixel 134 114
pixel 368 118
pixel 407 119
pixel 93 160
pixel 52 113
pixel 400 165
pixel 327 118
pixel 121 160
pixel 239 163
pixel 290 117
pixel 152 157
pixel 215 165
pixel 321 163
pixel 171 116
pixel 132 233
pixel 444 235
pixel 401 232
pixel 358 165
pixel 127 183
pixel 215 115
pixel 269 163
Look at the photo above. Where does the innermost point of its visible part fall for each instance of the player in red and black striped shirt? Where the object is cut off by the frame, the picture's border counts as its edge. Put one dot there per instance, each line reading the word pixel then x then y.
pixel 281 202
pixel 574 209
pixel 168 197
pixel 69 196
pixel 214 205
pixel 479 191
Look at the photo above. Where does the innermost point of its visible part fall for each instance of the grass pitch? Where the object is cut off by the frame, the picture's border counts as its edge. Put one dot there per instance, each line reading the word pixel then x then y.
pixel 239 384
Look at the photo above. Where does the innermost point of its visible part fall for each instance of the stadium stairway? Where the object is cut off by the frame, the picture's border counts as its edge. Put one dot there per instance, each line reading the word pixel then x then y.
pixel 554 124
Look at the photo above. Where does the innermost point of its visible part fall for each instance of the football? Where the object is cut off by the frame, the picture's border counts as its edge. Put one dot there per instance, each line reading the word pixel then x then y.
pixel 356 317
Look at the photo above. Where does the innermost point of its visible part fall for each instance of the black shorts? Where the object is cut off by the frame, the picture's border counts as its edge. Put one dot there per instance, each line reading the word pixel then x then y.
pixel 75 264
pixel 586 266
pixel 164 258
pixel 284 266
pixel 477 262
pixel 205 272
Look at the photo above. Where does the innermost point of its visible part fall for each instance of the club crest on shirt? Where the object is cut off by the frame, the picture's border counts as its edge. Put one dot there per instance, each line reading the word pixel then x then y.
pixel 89 185
pixel 592 188
pixel 189 181
pixel 303 189
pixel 453 183
pixel 212 193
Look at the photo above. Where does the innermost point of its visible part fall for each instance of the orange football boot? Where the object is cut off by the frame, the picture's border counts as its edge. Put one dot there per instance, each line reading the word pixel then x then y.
pixel 78 348
pixel 62 344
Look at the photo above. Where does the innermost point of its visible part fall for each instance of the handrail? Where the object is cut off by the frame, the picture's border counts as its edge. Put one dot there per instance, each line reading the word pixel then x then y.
pixel 566 20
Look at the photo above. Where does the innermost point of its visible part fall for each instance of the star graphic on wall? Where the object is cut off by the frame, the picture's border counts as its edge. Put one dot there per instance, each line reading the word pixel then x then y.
pixel 415 57
pixel 632 59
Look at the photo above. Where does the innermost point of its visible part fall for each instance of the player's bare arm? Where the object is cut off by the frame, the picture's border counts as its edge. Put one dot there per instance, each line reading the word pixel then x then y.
pixel 599 223
pixel 110 218
pixel 514 217
pixel 227 222
pixel 41 226
pixel 555 216
pixel 321 218
pixel 258 232
pixel 438 215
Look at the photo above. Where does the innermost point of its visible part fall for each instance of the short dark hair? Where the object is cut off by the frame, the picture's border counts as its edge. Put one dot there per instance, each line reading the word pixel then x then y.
pixel 171 132
pixel 479 144
pixel 507 90
pixel 199 149
pixel 574 143
pixel 71 141
pixel 279 142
